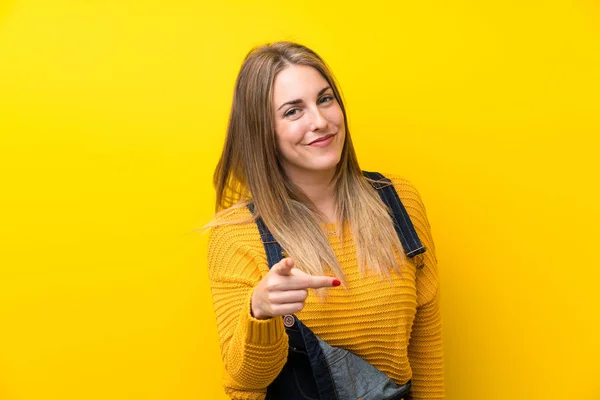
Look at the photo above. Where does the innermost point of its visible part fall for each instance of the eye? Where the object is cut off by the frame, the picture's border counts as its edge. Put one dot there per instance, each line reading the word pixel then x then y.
pixel 291 112
pixel 325 99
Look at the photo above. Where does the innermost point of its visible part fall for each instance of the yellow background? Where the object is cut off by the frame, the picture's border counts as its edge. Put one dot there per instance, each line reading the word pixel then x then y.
pixel 112 117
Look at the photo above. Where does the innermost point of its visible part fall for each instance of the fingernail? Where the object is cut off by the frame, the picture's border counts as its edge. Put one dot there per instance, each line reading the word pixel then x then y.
pixel 336 282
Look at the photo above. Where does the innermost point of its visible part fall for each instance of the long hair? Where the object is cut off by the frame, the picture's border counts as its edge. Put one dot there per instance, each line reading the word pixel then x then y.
pixel 249 170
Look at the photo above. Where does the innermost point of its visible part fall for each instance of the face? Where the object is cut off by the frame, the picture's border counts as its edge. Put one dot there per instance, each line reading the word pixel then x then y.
pixel 309 123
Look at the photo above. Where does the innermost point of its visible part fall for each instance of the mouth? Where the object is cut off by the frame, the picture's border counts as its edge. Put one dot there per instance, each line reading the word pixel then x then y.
pixel 322 139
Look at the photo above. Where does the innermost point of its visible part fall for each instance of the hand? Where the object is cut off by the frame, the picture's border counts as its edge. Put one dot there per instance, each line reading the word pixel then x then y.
pixel 284 289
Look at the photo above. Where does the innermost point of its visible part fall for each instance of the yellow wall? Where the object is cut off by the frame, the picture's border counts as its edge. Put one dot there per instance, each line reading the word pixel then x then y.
pixel 112 115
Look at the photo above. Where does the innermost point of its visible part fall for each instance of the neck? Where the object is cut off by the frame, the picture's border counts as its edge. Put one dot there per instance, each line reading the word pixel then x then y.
pixel 319 188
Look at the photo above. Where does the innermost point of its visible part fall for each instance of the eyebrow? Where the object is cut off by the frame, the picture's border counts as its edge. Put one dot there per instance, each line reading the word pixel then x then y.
pixel 298 101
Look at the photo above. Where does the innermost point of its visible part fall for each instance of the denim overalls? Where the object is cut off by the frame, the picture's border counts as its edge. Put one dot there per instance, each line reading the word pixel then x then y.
pixel 314 370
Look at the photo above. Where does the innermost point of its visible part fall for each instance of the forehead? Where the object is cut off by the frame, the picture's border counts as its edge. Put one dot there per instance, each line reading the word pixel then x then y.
pixel 297 82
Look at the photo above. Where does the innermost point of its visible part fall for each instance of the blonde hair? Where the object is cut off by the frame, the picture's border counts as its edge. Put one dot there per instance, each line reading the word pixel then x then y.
pixel 249 170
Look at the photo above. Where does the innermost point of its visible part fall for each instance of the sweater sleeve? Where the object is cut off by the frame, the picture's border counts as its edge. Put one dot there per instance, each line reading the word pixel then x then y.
pixel 425 353
pixel 253 351
pixel 425 350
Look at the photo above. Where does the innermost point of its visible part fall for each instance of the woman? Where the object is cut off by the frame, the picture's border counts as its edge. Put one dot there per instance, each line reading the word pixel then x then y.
pixel 289 177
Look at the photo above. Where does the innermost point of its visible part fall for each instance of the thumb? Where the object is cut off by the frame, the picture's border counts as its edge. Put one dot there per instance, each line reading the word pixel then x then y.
pixel 283 267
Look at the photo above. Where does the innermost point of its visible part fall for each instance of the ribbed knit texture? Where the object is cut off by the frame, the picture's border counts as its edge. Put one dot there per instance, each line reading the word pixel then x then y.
pixel 395 326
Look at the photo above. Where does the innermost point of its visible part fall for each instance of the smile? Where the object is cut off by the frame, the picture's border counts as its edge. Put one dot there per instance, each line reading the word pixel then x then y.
pixel 322 141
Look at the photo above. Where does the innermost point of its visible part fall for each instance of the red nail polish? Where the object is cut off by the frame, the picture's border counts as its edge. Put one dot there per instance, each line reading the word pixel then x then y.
pixel 336 282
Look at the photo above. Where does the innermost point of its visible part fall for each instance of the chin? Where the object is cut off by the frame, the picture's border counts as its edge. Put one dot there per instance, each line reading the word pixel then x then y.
pixel 326 165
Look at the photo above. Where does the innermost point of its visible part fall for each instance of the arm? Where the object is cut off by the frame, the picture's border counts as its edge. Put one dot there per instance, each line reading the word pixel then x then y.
pixel 253 351
pixel 425 350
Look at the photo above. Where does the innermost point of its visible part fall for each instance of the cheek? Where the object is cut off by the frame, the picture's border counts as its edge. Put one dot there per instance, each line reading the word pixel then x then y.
pixel 286 138
pixel 290 134
pixel 336 115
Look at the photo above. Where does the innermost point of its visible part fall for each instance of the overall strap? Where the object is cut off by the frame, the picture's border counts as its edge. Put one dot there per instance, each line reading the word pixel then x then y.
pixel 273 249
pixel 402 223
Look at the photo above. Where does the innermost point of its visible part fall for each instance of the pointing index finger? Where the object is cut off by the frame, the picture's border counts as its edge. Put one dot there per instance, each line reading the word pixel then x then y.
pixel 318 282
pixel 305 281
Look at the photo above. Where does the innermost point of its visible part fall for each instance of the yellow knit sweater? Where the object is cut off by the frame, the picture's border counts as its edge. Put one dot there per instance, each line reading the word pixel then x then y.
pixel 396 327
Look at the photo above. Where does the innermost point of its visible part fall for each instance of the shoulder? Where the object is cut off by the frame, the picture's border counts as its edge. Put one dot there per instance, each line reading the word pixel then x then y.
pixel 235 240
pixel 234 226
pixel 409 195
pixel 229 222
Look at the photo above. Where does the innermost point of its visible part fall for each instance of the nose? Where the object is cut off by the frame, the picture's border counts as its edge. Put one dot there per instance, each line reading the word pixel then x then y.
pixel 319 122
